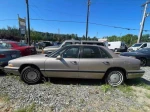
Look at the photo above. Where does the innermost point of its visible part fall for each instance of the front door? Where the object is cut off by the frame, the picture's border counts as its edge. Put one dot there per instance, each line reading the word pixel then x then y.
pixel 66 66
pixel 93 62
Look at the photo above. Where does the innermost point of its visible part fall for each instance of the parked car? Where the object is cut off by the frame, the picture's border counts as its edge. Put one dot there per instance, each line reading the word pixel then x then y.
pixel 117 46
pixel 51 49
pixel 143 55
pixel 7 55
pixel 77 61
pixel 42 45
pixel 138 46
pixel 23 48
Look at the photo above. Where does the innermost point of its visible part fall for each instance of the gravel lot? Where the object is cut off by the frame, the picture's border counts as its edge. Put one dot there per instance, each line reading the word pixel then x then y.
pixel 74 95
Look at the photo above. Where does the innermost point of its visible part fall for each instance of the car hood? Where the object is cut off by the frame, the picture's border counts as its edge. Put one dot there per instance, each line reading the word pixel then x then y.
pixel 31 57
pixel 131 53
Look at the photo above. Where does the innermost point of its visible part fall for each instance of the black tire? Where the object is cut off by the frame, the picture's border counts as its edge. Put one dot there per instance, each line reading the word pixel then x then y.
pixel 114 78
pixel 143 61
pixel 30 75
pixel 115 50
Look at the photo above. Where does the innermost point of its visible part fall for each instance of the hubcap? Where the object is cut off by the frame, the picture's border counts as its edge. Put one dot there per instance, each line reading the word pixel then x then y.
pixel 32 75
pixel 115 78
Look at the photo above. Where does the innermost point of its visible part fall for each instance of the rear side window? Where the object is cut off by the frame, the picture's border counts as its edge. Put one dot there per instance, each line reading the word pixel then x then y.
pixel 90 52
pixel 100 44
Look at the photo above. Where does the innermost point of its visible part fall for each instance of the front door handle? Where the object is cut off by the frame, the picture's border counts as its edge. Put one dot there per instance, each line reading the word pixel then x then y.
pixel 106 63
pixel 74 62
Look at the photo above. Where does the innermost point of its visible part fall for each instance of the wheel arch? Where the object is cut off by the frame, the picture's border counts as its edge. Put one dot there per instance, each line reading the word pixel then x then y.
pixel 116 68
pixel 25 65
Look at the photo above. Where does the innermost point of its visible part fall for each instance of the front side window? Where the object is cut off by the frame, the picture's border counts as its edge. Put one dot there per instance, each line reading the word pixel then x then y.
pixel 91 52
pixel 67 52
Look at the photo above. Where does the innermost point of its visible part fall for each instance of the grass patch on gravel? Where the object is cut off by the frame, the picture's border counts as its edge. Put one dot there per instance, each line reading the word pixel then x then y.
pixel 4 97
pixel 147 95
pixel 106 88
pixel 30 108
pixel 128 90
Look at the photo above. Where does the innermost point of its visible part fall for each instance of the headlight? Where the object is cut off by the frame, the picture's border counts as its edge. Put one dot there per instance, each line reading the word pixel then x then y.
pixel 10 65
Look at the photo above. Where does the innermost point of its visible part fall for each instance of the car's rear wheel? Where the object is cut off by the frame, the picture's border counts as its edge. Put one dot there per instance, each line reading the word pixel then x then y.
pixel 115 50
pixel 30 75
pixel 143 61
pixel 114 77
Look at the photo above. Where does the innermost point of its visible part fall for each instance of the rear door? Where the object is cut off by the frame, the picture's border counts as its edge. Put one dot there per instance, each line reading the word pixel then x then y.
pixel 93 62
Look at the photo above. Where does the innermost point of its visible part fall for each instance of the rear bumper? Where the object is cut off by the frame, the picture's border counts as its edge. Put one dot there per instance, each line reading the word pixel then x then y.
pixel 11 70
pixel 135 74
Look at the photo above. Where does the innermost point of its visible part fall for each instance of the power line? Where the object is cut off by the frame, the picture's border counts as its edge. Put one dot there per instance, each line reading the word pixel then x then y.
pixel 89 23
pixel 80 22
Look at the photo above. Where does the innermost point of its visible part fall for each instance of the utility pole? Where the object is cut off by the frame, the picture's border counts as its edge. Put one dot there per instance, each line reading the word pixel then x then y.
pixel 87 19
pixel 143 21
pixel 28 18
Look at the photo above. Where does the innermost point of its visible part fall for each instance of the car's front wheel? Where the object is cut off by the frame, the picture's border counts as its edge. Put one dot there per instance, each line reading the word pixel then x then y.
pixel 30 75
pixel 143 61
pixel 114 77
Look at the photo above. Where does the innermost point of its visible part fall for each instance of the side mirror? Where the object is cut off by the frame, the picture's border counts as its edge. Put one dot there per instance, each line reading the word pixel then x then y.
pixel 58 57
pixel 108 44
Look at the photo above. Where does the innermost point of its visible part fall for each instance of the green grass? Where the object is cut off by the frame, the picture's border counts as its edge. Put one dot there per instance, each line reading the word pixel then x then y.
pixel 126 89
pixel 30 108
pixel 143 85
pixel 106 88
pixel 147 95
pixel 5 97
pixel 47 83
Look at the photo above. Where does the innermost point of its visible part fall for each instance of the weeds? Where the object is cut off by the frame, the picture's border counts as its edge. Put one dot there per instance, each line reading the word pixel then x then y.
pixel 106 88
pixel 30 108
pixel 147 95
pixel 126 89
pixel 4 97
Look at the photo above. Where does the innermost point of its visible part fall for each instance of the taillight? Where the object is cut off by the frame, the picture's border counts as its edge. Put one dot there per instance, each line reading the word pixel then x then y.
pixel 2 55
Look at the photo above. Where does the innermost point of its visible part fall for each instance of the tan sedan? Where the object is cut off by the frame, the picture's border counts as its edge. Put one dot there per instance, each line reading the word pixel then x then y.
pixel 77 61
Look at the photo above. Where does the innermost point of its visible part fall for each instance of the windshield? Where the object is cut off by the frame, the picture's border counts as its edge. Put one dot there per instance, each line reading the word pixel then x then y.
pixel 136 45
pixel 144 50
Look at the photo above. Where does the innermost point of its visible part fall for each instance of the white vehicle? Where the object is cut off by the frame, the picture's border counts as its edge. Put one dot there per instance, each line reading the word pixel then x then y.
pixel 117 46
pixel 138 46
pixel 50 49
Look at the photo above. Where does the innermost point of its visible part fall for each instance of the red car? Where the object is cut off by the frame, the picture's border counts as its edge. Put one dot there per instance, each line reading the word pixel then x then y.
pixel 23 48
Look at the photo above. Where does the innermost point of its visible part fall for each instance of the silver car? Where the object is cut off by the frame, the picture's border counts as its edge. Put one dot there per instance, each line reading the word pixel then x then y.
pixel 77 61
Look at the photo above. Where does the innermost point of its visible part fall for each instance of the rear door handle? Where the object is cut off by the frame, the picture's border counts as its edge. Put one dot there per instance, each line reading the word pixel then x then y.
pixel 106 63
pixel 74 62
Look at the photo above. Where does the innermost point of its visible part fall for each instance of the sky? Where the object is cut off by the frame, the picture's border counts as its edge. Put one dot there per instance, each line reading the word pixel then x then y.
pixel 69 16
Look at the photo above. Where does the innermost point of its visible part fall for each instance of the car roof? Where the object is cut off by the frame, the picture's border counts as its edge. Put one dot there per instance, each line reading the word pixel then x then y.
pixel 9 42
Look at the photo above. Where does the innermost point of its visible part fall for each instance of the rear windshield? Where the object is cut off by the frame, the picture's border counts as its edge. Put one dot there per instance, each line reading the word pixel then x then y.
pixel 136 45
pixel 21 44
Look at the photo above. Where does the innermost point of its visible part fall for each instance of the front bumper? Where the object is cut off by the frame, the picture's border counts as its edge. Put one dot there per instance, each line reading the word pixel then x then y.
pixel 135 74
pixel 12 70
